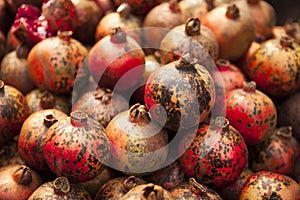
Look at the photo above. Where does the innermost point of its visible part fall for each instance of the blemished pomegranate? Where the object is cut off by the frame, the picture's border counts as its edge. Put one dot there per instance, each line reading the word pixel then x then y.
pixel 139 143
pixel 233 28
pixel 277 154
pixel 79 144
pixel 18 182
pixel 217 154
pixel 194 190
pixel 31 137
pixel 192 37
pixel 270 185
pixel 122 18
pixel 114 56
pixel 14 70
pixel 14 110
pixel 60 188
pixel 251 112
pixel 180 94
pixel 117 187
pixel 147 191
pixel 274 67
pixel 54 62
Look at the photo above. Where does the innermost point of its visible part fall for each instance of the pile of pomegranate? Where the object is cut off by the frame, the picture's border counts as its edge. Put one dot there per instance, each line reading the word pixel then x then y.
pixel 148 99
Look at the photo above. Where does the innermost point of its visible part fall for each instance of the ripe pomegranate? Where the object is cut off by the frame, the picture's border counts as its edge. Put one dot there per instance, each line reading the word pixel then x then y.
pixel 14 70
pixel 101 105
pixel 147 191
pixel 18 182
pixel 14 110
pixel 251 112
pixel 277 154
pixel 122 18
pixel 233 28
pixel 245 59
pixel 159 20
pixel 31 137
pixel 89 15
pixel 79 144
pixel 115 56
pixel 194 191
pixel 139 143
pixel 54 62
pixel 117 187
pixel 232 191
pixel 180 94
pixel 139 7
pixel 60 188
pixel 274 67
pixel 217 154
pixel 270 185
pixel 191 36
pixel 195 8
pixel 288 113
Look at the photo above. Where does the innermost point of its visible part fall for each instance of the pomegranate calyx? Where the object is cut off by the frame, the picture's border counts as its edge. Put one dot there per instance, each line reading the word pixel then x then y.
pixel 174 6
pixel 47 100
pixel 139 114
pixel 196 188
pixel 150 192
pixel 223 64
pixel 65 35
pixel 78 118
pixel 49 120
pixel 61 185
pixel 192 27
pixel 222 122
pixel 103 95
pixel 285 132
pixel 210 4
pixel 130 183
pixel 249 86
pixel 117 35
pixel 23 176
pixel 287 42
pixel 232 12
pixel 124 10
pixel 186 62
pixel 22 51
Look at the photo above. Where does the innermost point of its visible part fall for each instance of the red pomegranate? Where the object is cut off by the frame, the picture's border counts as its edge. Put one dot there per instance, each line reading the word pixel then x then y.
pixel 115 56
pixel 274 67
pixel 79 144
pixel 54 62
pixel 18 182
pixel 270 185
pixel 217 154
pixel 251 112
pixel 31 137
pixel 180 94
pixel 233 28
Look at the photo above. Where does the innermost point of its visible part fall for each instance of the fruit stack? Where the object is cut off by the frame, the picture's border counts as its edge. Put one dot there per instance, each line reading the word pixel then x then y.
pixel 148 99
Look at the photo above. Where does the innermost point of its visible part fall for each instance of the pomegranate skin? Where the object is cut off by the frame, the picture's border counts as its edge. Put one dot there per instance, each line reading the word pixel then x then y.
pixel 251 112
pixel 217 154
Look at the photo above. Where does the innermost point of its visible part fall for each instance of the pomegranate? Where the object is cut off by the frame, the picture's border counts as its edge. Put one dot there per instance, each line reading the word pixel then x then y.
pixel 195 191
pixel 233 28
pixel 18 182
pixel 105 5
pixel 270 185
pixel 251 112
pixel 217 155
pixel 232 191
pixel 139 7
pixel 12 41
pixel 245 59
pixel 274 67
pixel 79 144
pixel 14 70
pixel 101 105
pixel 117 187
pixel 277 154
pixel 54 62
pixel 31 137
pixel 122 18
pixel 60 188
pixel 115 56
pixel 89 15
pixel 158 21
pixel 279 31
pixel 139 143
pixel 147 191
pixel 180 94
pixel 187 37
pixel 14 110
pixel 288 113
pixel 9 153
pixel 195 8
